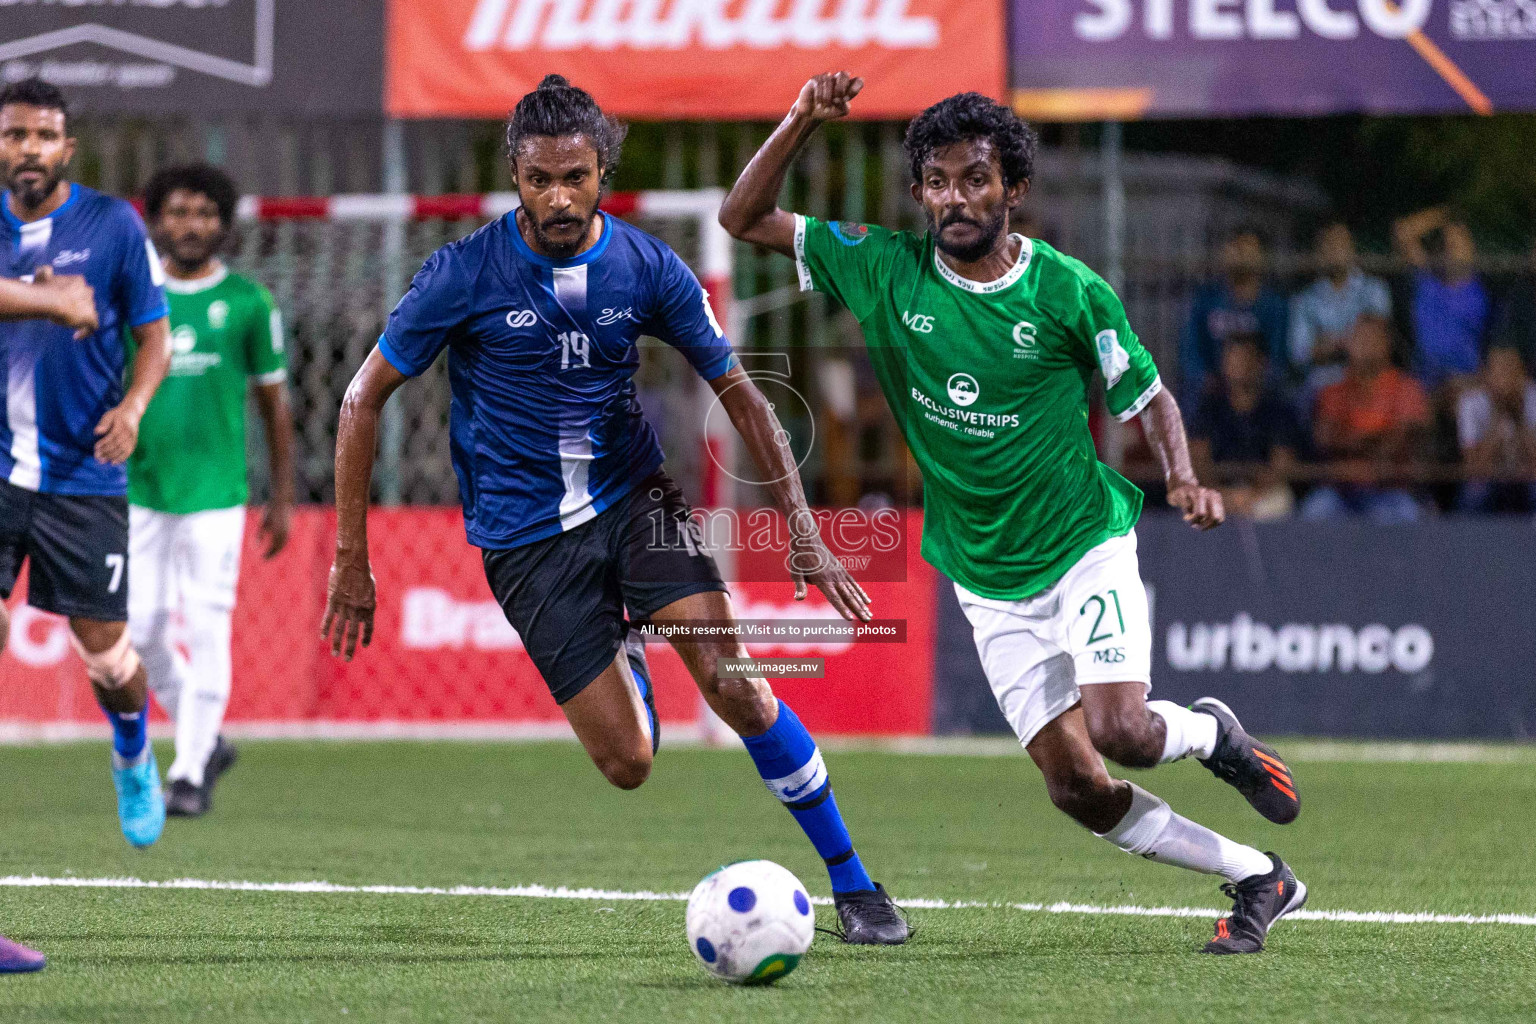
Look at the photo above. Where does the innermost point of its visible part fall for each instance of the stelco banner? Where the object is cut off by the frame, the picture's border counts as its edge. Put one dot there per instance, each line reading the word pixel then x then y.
pixel 199 56
pixel 1324 629
pixel 1121 59
pixel 689 58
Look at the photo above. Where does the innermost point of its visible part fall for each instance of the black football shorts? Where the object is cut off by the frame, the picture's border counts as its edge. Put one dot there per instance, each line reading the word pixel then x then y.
pixel 566 595
pixel 76 547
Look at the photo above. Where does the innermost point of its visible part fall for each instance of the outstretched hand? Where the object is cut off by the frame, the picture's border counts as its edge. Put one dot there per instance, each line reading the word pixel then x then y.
pixel 1202 506
pixel 811 562
pixel 826 97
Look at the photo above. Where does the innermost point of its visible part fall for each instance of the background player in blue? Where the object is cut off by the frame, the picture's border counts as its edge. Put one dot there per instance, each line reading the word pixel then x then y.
pixel 69 424
pixel 561 475
pixel 69 301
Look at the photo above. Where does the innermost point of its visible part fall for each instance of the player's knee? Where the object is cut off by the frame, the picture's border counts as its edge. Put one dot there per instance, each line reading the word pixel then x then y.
pixel 626 769
pixel 1080 791
pixel 747 705
pixel 1127 736
pixel 113 664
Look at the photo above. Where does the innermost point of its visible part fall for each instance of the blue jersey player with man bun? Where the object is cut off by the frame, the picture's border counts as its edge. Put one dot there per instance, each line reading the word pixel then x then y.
pixel 69 423
pixel 561 476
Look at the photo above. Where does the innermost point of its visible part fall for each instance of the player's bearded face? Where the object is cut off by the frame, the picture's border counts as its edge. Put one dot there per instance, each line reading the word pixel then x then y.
pixel 189 229
pixel 560 184
pixel 34 151
pixel 963 195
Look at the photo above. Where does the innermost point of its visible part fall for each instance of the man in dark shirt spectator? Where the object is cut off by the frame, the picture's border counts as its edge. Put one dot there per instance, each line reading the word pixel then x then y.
pixel 1516 327
pixel 1496 425
pixel 1244 434
pixel 1449 306
pixel 1237 302
pixel 1370 426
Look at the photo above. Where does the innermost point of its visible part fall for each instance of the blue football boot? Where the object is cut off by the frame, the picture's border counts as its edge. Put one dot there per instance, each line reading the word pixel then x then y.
pixel 634 650
pixel 140 805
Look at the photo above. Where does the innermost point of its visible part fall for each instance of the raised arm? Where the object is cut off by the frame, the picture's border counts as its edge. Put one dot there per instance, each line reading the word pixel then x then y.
pixel 1408 234
pixel 1164 425
pixel 64 299
pixel 751 212
pixel 759 428
pixel 350 599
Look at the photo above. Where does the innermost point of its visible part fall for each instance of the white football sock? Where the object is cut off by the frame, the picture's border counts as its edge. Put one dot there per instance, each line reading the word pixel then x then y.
pixel 203 702
pixel 1152 830
pixel 1189 732
pixel 163 663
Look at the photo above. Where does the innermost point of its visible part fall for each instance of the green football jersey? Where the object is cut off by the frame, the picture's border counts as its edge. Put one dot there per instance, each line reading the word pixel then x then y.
pixel 225 332
pixel 989 385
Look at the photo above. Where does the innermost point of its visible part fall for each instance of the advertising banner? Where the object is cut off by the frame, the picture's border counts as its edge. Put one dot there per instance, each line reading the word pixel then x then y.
pixel 200 56
pixel 685 59
pixel 1125 59
pixel 443 653
pixel 1324 629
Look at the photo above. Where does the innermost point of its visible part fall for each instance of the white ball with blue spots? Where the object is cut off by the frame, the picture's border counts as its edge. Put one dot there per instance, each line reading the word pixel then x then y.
pixel 750 922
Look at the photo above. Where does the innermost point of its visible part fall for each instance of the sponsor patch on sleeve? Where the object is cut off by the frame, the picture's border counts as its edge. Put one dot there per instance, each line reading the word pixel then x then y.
pixel 849 233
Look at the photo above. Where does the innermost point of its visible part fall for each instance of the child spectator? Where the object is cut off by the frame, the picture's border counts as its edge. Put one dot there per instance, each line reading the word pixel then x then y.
pixel 1324 312
pixel 1244 434
pixel 1237 302
pixel 1370 426
pixel 1449 307
pixel 1496 424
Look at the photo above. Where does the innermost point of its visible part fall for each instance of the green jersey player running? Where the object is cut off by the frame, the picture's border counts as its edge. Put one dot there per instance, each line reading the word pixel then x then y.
pixel 985 343
pixel 186 481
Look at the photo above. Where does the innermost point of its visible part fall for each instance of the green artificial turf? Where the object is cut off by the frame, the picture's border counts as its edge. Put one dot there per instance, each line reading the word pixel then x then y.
pixel 1374 835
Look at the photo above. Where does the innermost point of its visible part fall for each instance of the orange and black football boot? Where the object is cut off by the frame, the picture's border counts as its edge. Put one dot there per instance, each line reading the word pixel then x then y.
pixel 1254 769
pixel 1257 903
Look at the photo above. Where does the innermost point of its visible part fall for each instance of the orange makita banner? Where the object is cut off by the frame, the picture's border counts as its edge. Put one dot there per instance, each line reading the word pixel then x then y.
pixel 688 58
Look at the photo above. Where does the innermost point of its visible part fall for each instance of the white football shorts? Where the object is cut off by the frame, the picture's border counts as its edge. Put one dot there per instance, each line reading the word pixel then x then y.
pixel 1092 626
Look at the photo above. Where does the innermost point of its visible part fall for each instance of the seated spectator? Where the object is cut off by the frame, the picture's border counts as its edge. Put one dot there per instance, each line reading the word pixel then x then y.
pixel 1516 327
pixel 1237 302
pixel 1449 307
pixel 1496 424
pixel 1244 434
pixel 1369 426
pixel 1324 312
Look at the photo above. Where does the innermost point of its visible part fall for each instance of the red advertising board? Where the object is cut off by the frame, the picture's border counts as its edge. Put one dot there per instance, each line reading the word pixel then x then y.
pixel 687 59
pixel 443 653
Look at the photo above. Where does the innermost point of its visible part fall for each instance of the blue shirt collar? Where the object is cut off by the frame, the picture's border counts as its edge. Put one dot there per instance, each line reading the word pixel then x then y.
pixel 17 223
pixel 527 253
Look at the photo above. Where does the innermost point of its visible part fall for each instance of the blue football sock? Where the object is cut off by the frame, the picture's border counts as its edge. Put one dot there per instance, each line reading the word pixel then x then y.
pixel 787 759
pixel 130 732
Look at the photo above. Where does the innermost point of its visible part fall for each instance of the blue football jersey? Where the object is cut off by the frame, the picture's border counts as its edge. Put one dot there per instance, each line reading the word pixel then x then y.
pixel 56 388
pixel 545 429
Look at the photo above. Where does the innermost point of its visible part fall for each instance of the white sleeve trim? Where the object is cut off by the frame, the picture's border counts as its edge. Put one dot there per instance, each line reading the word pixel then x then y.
pixel 800 265
pixel 274 377
pixel 1141 401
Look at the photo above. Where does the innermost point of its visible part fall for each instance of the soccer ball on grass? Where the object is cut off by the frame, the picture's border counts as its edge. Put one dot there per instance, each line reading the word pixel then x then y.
pixel 749 923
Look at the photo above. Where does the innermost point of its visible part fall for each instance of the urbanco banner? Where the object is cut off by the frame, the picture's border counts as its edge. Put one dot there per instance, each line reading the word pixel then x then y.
pixel 1124 59
pixel 200 56
pixel 695 59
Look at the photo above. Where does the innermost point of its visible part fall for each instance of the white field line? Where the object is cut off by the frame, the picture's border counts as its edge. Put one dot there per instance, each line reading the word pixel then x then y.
pixel 684 735
pixel 561 892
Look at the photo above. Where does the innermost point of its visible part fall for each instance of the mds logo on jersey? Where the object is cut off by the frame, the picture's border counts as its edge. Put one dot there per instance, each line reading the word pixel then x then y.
pixel 917 322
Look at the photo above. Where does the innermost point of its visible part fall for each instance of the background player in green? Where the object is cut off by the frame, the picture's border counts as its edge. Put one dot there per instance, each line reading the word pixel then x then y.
pixel 985 343
pixel 186 485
